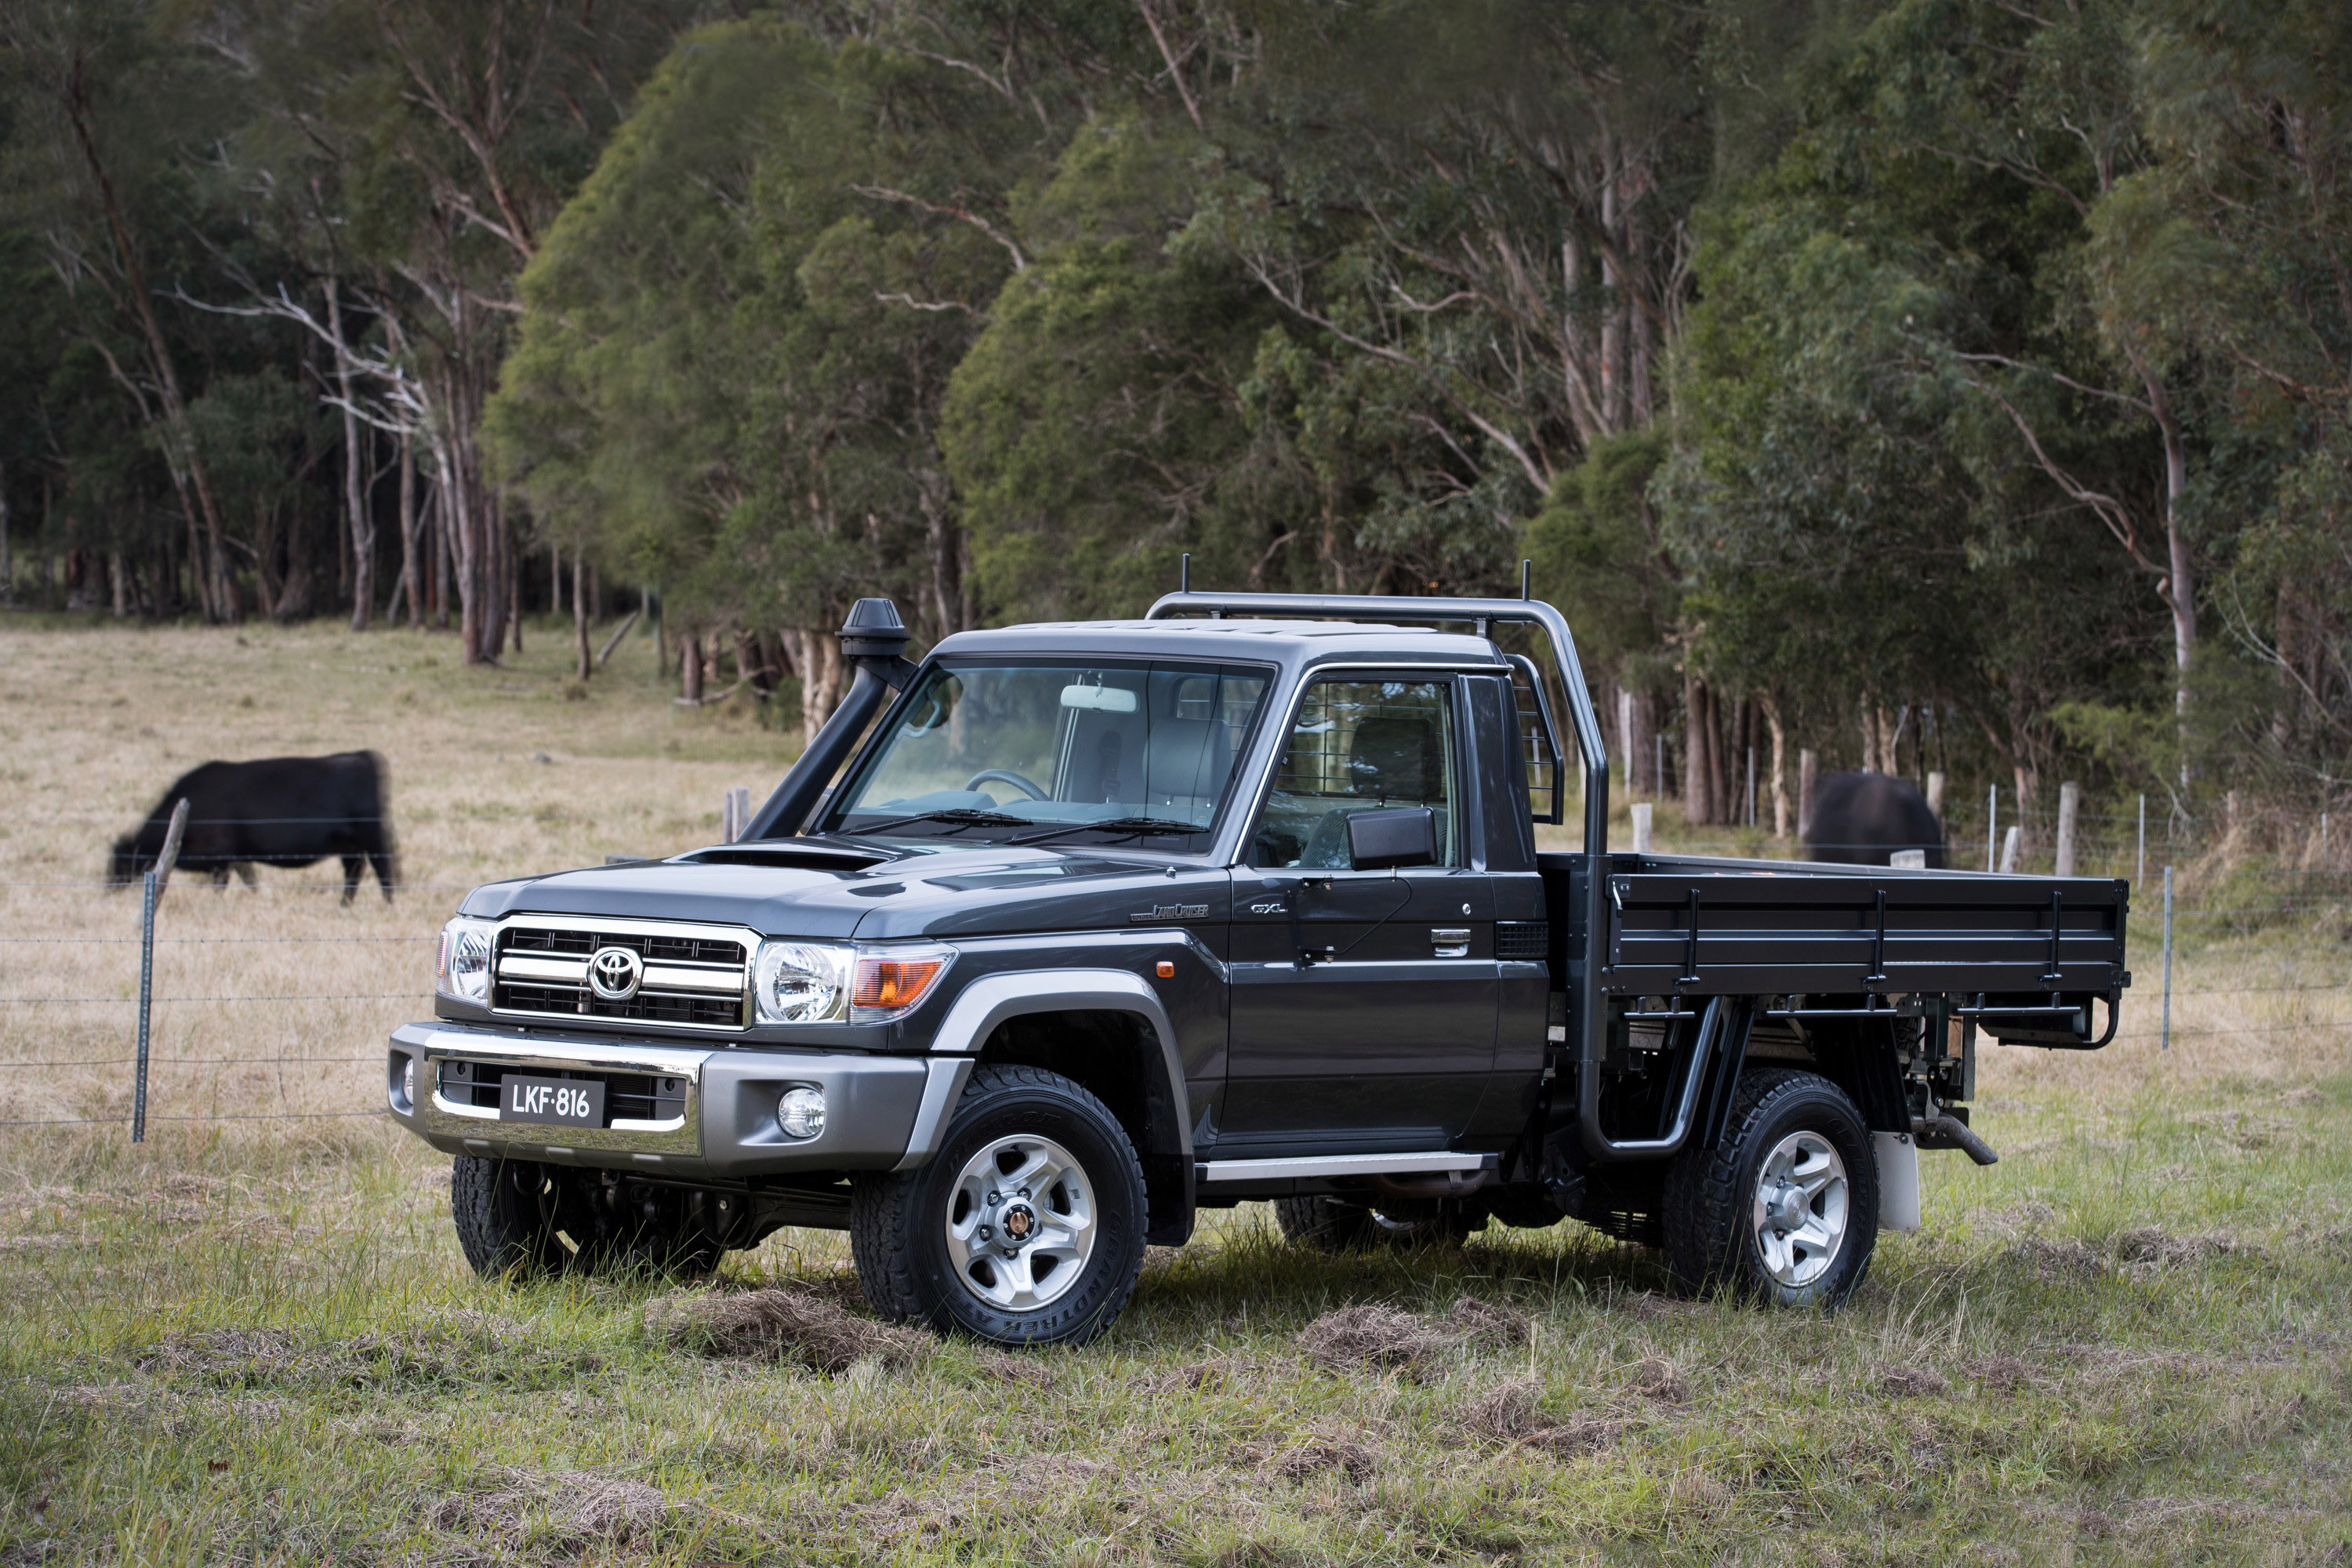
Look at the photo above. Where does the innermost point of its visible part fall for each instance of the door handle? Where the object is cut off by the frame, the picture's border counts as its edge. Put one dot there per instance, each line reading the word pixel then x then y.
pixel 1450 942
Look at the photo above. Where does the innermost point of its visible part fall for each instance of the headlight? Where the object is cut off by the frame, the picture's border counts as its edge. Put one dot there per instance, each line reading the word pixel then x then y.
pixel 463 973
pixel 818 983
pixel 892 980
pixel 800 982
pixel 800 1111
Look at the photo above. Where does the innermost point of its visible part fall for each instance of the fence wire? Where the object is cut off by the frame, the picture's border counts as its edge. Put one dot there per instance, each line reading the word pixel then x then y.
pixel 2275 922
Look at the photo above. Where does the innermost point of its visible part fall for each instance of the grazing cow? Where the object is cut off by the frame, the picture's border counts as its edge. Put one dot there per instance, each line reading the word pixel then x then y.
pixel 284 811
pixel 1861 819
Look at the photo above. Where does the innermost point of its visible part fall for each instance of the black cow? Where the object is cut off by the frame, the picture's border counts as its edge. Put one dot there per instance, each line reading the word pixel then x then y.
pixel 283 811
pixel 1861 819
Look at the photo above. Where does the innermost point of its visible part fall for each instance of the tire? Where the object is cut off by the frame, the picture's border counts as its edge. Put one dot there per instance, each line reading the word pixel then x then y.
pixel 1785 1209
pixel 931 1243
pixel 1332 1225
pixel 520 1219
pixel 511 1217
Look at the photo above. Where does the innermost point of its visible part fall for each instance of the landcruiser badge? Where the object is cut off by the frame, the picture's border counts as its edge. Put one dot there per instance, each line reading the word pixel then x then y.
pixel 1172 913
pixel 615 974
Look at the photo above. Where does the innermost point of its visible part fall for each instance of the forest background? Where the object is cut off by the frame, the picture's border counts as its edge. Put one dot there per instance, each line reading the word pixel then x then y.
pixel 1958 386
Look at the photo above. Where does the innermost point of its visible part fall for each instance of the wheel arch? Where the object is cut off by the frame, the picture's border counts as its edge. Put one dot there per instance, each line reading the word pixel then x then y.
pixel 1105 1029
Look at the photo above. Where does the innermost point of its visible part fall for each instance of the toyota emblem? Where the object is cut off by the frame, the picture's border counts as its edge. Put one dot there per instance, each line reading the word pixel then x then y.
pixel 615 974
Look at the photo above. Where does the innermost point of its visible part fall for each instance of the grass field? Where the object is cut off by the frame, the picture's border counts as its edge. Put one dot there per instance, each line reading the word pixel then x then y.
pixel 253 1340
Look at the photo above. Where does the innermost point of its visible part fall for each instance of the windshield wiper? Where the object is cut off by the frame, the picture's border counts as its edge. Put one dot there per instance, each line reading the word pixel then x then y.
pixel 961 815
pixel 1123 827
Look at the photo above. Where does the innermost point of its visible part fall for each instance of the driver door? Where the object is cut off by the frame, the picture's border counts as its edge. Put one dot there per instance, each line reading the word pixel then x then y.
pixel 1363 1003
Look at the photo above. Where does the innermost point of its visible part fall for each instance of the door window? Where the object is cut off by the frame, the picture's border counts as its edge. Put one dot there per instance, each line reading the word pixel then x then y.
pixel 1360 745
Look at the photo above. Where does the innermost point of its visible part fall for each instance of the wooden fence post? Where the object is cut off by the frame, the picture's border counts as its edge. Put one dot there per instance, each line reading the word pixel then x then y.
pixel 1809 763
pixel 1641 809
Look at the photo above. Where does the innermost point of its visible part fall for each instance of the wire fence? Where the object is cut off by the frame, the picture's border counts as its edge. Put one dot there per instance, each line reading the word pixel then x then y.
pixel 252 1014
pixel 188 1004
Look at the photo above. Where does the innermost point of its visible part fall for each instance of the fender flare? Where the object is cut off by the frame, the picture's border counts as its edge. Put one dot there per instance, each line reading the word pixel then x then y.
pixel 992 999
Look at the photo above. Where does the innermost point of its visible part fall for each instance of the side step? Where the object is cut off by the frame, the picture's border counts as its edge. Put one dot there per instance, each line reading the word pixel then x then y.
pixel 1212 1172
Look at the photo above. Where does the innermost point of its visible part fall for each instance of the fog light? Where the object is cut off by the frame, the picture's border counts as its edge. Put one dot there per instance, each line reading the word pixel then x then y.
pixel 801 1112
pixel 408 1083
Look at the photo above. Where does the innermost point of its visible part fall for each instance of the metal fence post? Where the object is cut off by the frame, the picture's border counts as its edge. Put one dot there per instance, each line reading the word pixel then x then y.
pixel 158 877
pixel 2139 866
pixel 2165 1040
pixel 146 1001
pixel 1992 812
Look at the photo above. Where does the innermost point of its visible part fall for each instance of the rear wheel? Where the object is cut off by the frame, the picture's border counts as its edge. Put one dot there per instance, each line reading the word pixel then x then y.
pixel 1026 1228
pixel 1332 1225
pixel 1786 1207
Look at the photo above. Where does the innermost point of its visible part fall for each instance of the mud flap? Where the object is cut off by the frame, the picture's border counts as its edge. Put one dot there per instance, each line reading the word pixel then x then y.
pixel 1898 1180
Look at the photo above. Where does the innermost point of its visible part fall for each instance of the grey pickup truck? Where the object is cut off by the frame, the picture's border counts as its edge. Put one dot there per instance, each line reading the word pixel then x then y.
pixel 1071 930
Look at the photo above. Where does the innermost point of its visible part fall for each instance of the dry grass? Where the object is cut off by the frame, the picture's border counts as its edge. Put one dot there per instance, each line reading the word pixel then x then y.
pixel 256 1341
pixel 492 773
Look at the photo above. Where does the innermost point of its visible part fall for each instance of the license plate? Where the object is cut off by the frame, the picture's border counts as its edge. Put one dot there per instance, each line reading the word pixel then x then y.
pixel 567 1102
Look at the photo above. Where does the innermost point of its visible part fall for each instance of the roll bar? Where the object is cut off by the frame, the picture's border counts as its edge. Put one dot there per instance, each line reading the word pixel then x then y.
pixel 1484 614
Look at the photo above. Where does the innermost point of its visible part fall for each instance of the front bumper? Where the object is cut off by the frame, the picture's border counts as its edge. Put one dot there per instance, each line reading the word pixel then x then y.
pixel 881 1113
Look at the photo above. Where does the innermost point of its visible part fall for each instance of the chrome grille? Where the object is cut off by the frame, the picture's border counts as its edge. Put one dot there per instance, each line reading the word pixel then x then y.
pixel 692 976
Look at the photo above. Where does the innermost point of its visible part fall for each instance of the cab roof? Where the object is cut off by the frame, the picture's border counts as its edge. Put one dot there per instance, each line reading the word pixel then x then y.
pixel 1293 643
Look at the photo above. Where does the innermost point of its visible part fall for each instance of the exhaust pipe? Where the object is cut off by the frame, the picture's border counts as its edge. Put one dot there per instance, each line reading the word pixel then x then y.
pixel 874 641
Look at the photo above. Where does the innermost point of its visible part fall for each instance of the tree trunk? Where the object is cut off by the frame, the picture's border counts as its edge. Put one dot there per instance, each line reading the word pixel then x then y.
pixel 8 554
pixel 1809 767
pixel 445 567
pixel 1698 751
pixel 820 662
pixel 2180 585
pixel 410 572
pixel 514 582
pixel 1779 768
pixel 2025 779
pixel 579 615
pixel 297 589
pixel 355 506
pixel 689 665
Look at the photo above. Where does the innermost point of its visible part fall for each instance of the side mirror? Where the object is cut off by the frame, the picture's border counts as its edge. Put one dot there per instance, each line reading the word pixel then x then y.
pixel 1384 840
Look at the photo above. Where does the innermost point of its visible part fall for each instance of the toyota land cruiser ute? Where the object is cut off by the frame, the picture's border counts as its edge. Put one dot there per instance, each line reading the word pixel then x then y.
pixel 1071 930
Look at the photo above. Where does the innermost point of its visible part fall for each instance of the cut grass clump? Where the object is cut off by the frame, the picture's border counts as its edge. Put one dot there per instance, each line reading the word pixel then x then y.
pixel 795 1325
pixel 1375 1335
pixel 569 1512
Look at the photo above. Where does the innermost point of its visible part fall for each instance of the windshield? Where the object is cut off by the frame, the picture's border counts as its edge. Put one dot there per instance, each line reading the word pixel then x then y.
pixel 1102 753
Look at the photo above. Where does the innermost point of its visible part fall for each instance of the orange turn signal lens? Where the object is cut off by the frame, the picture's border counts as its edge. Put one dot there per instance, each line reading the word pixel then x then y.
pixel 895 985
pixel 1167 970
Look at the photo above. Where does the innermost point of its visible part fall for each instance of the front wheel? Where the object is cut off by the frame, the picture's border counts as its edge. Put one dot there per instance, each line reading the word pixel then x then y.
pixel 513 1217
pixel 1025 1228
pixel 1786 1207
pixel 525 1219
